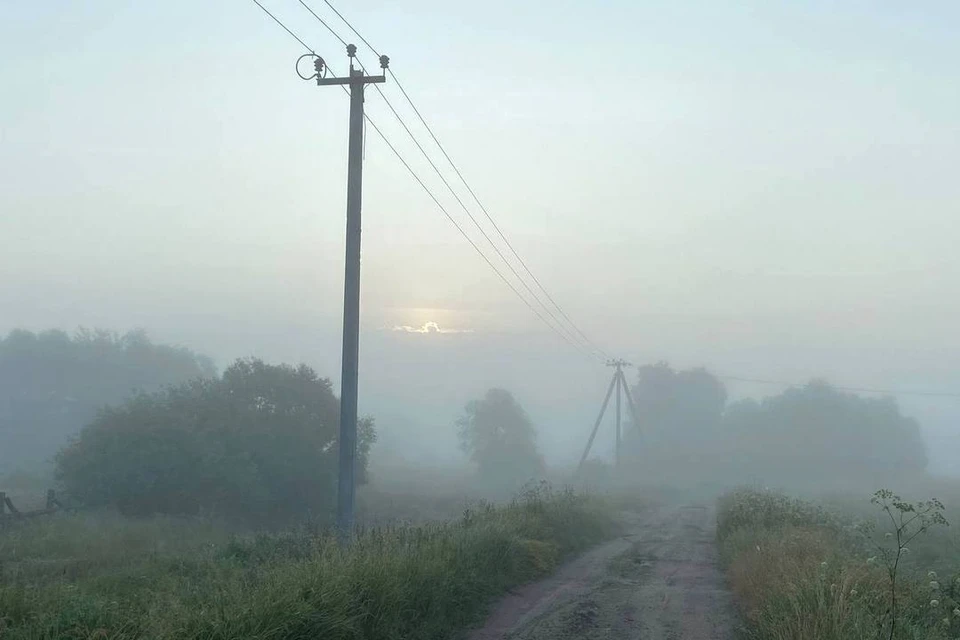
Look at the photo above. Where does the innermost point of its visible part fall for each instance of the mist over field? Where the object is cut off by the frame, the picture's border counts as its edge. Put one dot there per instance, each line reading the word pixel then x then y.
pixel 733 225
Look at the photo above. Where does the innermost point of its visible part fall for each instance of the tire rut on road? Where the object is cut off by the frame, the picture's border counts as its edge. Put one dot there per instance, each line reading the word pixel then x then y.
pixel 661 581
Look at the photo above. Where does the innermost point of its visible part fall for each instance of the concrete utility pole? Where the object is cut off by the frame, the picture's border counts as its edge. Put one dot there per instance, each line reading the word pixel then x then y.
pixel 620 382
pixel 618 375
pixel 346 484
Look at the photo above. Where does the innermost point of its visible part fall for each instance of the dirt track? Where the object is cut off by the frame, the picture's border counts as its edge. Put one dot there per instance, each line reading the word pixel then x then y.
pixel 658 582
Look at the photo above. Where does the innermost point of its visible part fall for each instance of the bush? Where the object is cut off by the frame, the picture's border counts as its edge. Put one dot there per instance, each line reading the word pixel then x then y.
pixel 258 443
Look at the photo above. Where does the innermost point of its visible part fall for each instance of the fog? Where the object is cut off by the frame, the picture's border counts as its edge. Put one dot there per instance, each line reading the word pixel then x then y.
pixel 768 192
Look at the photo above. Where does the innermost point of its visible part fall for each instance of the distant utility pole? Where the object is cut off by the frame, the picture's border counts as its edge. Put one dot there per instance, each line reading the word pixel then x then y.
pixel 620 382
pixel 346 484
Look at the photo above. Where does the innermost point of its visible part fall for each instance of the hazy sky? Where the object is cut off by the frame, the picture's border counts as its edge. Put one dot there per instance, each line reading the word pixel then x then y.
pixel 769 189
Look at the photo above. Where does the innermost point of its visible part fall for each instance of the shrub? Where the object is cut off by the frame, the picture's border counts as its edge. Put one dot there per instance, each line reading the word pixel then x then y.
pixel 257 443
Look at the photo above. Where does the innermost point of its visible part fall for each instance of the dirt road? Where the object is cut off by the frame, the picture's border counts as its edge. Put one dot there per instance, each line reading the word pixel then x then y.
pixel 659 582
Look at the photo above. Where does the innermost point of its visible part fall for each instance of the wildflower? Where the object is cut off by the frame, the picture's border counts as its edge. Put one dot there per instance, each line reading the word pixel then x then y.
pixel 823 565
pixel 956 612
pixel 872 560
pixel 934 585
pixel 853 592
pixel 934 603
pixel 758 548
pixel 932 575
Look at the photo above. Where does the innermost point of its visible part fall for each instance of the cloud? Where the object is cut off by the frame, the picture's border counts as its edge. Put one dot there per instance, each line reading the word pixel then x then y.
pixel 428 327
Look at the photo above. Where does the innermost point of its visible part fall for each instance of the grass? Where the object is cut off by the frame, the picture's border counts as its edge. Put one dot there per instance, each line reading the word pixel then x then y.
pixel 75 576
pixel 800 570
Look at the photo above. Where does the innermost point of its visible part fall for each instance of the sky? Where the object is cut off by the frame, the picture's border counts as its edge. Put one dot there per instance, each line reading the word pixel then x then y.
pixel 764 188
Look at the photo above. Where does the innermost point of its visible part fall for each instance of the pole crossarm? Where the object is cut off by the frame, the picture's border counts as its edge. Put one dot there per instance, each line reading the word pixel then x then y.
pixel 351 80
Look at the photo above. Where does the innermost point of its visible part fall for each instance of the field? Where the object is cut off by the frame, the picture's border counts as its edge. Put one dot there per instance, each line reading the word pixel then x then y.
pixel 841 568
pixel 104 576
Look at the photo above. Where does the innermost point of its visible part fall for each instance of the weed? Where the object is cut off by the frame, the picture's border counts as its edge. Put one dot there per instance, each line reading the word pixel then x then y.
pixel 908 521
pixel 76 576
pixel 801 571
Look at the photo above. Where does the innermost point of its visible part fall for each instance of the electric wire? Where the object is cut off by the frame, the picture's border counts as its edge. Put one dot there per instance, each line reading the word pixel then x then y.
pixel 277 20
pixel 472 218
pixel 560 327
pixel 466 184
pixel 324 23
pixel 469 239
pixel 443 209
pixel 889 392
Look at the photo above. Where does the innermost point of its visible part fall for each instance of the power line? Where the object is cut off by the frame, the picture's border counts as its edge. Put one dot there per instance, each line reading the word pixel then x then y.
pixel 473 194
pixel 453 192
pixel 275 19
pixel 473 219
pixel 467 237
pixel 889 392
pixel 355 32
pixel 560 327
pixel 413 173
pixel 324 23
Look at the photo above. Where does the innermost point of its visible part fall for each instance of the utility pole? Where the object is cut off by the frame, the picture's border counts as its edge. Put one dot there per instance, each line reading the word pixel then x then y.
pixel 618 375
pixel 620 382
pixel 346 483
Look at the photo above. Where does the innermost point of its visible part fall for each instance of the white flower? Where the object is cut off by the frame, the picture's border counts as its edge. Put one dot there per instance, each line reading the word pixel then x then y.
pixel 956 612
pixel 853 592
pixel 872 560
pixel 934 603
pixel 934 585
pixel 932 575
pixel 823 565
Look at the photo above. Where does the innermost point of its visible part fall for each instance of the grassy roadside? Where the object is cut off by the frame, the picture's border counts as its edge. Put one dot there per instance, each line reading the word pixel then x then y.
pixel 84 577
pixel 800 571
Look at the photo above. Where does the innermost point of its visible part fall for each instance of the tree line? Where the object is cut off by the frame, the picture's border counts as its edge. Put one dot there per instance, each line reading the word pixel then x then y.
pixel 147 428
pixel 808 435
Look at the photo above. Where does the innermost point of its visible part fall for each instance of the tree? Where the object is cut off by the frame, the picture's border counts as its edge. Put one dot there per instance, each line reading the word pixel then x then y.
pixel 800 437
pixel 679 411
pixel 818 431
pixel 500 439
pixel 258 443
pixel 51 384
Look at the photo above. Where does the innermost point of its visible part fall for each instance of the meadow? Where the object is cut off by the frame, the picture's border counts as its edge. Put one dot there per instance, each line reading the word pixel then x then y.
pixel 102 575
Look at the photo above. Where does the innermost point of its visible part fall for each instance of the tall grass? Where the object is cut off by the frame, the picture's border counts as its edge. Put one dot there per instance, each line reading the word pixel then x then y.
pixel 73 578
pixel 800 571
